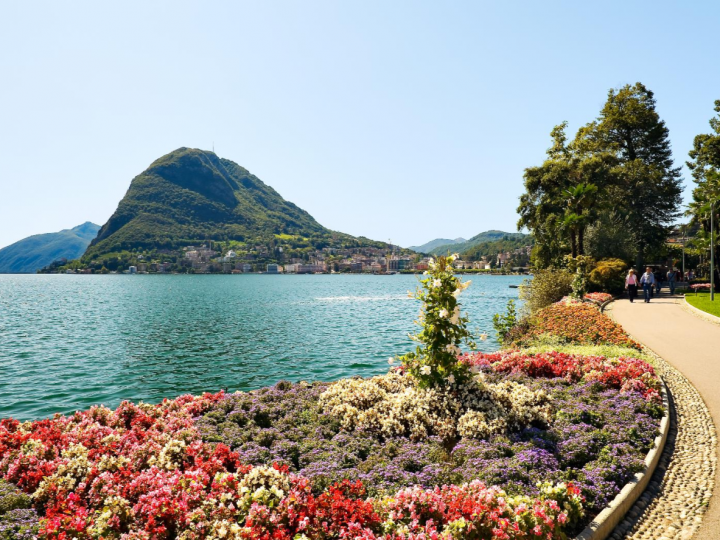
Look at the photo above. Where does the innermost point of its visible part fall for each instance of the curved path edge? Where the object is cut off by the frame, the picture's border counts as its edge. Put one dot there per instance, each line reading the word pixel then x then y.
pixel 700 313
pixel 678 497
pixel 605 522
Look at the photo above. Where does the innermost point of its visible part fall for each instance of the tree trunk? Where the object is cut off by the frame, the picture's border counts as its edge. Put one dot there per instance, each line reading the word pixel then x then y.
pixel 581 241
pixel 573 244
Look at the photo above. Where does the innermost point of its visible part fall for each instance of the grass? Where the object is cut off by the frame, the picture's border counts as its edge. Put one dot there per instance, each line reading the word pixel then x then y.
pixel 702 301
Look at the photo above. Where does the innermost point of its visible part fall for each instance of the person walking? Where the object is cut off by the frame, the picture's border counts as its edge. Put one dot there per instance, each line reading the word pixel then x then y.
pixel 647 281
pixel 659 274
pixel 671 278
pixel 631 284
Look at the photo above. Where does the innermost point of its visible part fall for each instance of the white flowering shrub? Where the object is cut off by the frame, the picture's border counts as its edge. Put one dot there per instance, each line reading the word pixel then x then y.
pixel 443 328
pixel 395 405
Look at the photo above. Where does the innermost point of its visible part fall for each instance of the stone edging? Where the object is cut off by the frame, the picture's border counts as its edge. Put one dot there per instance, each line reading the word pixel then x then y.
pixel 699 312
pixel 605 522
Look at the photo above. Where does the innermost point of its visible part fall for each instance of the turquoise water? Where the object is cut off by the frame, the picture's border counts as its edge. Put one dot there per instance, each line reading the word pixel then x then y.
pixel 68 342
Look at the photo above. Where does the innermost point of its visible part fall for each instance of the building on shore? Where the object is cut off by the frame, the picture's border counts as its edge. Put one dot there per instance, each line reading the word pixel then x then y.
pixel 274 269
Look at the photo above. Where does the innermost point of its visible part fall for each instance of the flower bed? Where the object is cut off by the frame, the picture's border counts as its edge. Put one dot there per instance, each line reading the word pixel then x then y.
pixel 572 323
pixel 696 286
pixel 277 462
pixel 598 297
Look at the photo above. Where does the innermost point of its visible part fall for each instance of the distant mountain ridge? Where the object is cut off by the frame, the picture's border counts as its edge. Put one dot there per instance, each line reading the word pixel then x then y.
pixel 30 254
pixel 482 238
pixel 425 248
pixel 192 196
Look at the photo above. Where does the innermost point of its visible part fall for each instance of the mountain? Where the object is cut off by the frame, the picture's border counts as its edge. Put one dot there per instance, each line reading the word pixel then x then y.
pixel 30 254
pixel 482 238
pixel 193 197
pixel 425 248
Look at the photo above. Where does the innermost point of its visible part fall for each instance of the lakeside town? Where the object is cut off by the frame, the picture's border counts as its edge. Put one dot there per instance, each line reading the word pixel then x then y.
pixel 206 259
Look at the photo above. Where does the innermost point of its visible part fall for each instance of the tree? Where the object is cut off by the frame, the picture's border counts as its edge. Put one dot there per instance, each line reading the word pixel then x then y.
pixel 647 185
pixel 563 197
pixel 705 167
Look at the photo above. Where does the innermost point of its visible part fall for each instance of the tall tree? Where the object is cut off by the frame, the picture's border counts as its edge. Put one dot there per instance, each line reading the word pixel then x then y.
pixel 705 166
pixel 648 186
pixel 563 197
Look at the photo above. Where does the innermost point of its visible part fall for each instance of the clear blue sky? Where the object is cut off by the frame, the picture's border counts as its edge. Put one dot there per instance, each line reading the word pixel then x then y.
pixel 403 120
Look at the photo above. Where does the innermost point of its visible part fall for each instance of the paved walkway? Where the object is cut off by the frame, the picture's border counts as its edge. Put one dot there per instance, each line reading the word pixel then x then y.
pixel 690 344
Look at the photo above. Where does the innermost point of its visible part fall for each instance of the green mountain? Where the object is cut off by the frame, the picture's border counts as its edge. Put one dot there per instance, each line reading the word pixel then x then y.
pixel 190 197
pixel 428 246
pixel 30 254
pixel 482 238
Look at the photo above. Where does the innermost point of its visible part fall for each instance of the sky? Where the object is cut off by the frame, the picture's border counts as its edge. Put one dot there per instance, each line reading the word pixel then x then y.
pixel 394 120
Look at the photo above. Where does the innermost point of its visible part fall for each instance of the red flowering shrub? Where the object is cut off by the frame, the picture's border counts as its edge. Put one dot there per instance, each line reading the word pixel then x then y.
pixel 626 374
pixel 575 323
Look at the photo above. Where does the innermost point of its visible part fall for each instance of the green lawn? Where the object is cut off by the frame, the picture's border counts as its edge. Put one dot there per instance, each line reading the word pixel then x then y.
pixel 702 301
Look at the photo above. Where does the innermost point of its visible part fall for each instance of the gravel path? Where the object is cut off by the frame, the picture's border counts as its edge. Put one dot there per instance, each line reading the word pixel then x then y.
pixel 678 496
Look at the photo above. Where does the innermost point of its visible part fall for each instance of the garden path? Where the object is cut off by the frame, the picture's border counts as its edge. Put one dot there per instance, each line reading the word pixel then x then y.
pixel 692 345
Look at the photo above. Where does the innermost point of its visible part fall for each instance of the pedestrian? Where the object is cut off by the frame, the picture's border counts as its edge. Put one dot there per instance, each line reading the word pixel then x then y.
pixel 691 275
pixel 647 281
pixel 658 280
pixel 631 284
pixel 671 278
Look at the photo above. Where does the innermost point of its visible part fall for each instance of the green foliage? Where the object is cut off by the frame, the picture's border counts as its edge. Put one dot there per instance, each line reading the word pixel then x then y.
pixel 705 167
pixel 580 266
pixel 608 276
pixel 478 240
pixel 546 287
pixel 504 323
pixel 620 162
pixel 192 197
pixel 443 329
pixel 489 250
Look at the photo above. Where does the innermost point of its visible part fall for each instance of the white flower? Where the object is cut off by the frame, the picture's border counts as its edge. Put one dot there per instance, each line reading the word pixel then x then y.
pixel 451 378
pixel 391 360
pixel 410 294
pixel 457 292
pixel 425 273
pixel 425 370
pixel 437 283
pixel 443 313
pixel 456 315
pixel 452 257
pixel 483 336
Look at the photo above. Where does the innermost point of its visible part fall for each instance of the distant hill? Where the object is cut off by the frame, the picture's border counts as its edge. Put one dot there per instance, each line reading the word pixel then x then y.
pixel 191 197
pixel 427 247
pixel 482 238
pixel 30 254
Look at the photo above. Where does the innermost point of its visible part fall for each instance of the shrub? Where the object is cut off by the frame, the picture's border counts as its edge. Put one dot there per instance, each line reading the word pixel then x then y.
pixel 546 287
pixel 505 322
pixel 608 276
pixel 573 323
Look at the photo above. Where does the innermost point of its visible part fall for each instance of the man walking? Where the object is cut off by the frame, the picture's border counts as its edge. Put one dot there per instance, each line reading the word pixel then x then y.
pixel 671 278
pixel 647 281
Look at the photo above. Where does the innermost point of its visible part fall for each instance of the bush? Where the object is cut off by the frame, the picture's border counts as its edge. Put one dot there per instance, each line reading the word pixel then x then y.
pixel 608 276
pixel 546 287
pixel 504 323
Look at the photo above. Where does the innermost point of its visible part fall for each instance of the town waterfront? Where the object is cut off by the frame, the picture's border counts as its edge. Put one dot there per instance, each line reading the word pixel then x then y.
pixel 68 342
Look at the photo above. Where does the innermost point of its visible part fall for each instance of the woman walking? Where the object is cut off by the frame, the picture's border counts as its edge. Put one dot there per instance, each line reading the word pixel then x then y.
pixel 631 284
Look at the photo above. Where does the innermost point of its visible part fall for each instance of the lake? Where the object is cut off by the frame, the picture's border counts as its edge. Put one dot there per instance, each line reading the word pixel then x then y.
pixel 71 341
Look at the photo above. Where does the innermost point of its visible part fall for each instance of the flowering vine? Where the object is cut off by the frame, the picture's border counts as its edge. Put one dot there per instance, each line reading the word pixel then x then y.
pixel 443 328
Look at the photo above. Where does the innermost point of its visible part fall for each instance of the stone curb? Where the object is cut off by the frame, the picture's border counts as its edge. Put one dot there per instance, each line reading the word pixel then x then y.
pixel 605 522
pixel 699 312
